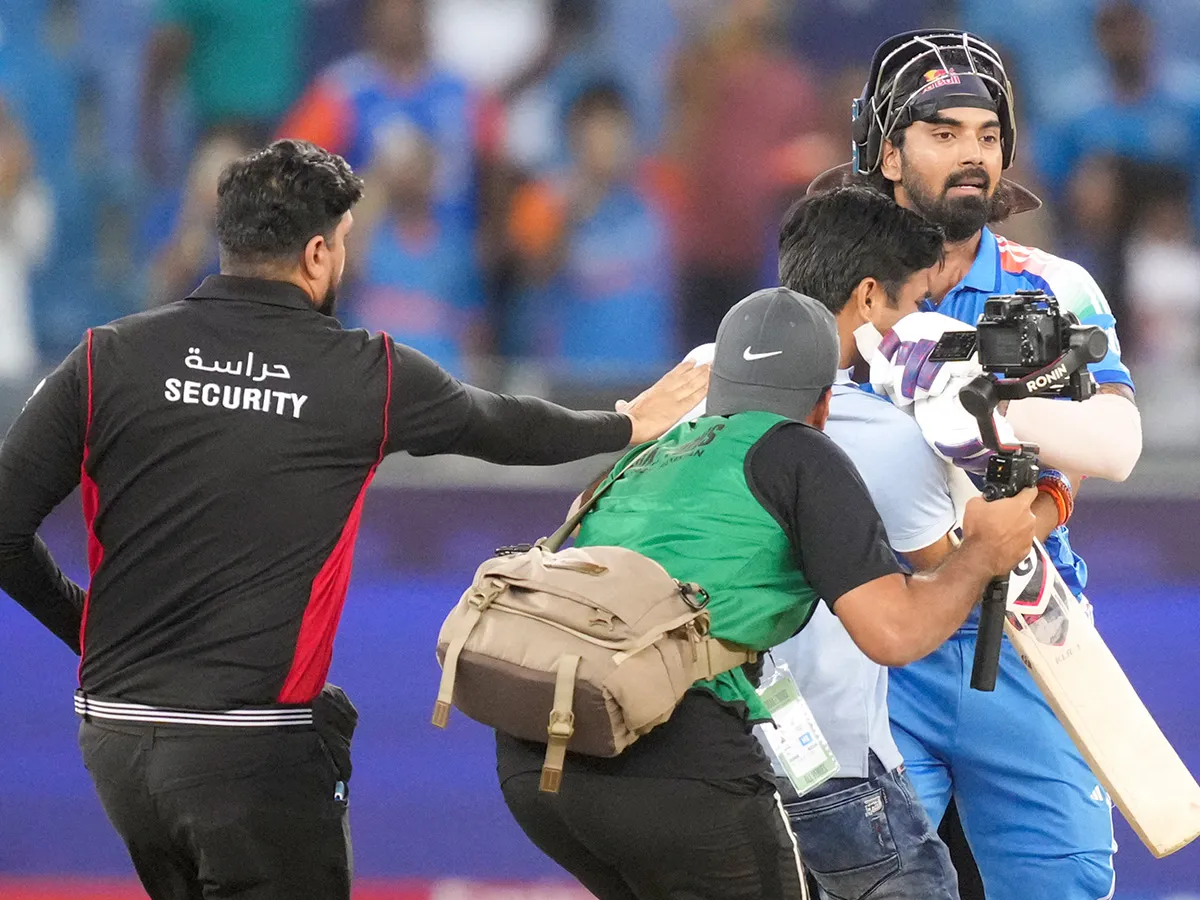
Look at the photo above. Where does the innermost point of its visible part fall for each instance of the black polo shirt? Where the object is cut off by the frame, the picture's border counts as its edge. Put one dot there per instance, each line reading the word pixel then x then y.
pixel 223 445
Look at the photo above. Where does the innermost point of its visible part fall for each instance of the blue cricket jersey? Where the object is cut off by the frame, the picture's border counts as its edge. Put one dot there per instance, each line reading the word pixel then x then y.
pixel 1003 267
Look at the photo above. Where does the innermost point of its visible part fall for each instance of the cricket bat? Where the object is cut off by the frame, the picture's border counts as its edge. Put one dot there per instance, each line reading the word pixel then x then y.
pixel 1082 681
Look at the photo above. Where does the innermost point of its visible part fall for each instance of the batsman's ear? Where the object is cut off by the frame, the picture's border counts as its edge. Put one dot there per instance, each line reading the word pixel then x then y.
pixel 889 164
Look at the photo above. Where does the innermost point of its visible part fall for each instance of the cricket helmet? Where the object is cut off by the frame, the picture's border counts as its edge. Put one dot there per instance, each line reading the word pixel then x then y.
pixel 914 76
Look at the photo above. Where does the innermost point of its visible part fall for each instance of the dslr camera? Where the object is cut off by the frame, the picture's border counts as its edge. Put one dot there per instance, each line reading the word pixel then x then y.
pixel 1026 334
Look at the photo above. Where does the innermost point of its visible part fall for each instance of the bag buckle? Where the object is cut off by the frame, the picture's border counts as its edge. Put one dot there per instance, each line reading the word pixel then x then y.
pixel 481 598
pixel 693 595
pixel 562 724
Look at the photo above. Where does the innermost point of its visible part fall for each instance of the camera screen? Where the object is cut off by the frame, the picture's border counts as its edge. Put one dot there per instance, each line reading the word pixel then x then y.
pixel 954 346
pixel 1000 346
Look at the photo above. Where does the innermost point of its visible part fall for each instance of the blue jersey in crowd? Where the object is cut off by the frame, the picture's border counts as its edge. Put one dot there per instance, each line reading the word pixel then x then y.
pixel 423 291
pixel 610 310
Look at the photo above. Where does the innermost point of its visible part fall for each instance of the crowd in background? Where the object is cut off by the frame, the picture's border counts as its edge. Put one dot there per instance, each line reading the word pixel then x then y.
pixel 563 191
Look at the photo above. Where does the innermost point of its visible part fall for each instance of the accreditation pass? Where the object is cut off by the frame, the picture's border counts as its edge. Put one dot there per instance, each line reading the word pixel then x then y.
pixel 795 738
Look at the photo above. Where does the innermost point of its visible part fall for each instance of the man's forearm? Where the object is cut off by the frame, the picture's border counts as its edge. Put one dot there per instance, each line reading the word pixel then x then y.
pixel 898 619
pixel 30 576
pixel 939 601
pixel 533 432
pixel 28 572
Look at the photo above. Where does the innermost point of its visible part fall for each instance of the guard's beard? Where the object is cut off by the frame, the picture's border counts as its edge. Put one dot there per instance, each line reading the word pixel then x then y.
pixel 328 304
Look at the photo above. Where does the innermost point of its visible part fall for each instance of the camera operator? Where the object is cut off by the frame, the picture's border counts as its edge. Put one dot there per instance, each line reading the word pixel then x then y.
pixel 934 129
pixel 869 262
pixel 753 502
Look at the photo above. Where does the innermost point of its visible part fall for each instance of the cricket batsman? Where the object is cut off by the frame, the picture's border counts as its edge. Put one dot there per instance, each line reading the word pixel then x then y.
pixel 934 129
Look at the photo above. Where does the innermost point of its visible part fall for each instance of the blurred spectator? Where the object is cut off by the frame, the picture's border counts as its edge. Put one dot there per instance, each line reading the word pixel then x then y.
pixel 488 43
pixel 595 252
pixel 416 278
pixel 1092 230
pixel 746 137
pixel 26 227
pixel 38 83
pixel 537 97
pixel 349 108
pixel 1141 117
pixel 1163 286
pixel 187 221
pixel 40 90
pixel 114 35
pixel 243 67
pixel 630 41
pixel 643 38
pixel 1176 28
pixel 1141 125
pixel 334 31
pixel 829 34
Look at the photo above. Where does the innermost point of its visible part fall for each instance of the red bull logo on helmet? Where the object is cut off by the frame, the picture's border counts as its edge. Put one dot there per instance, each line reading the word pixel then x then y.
pixel 936 78
pixel 938 74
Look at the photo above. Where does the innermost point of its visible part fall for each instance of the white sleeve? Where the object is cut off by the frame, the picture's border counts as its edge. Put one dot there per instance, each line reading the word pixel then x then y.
pixel 1100 437
pixel 700 355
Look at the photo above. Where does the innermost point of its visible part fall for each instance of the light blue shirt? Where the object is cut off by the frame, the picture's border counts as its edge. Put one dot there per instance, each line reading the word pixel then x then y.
pixel 845 690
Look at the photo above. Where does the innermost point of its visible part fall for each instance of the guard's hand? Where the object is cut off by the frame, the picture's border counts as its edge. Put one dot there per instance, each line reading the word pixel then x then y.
pixel 658 408
pixel 1001 531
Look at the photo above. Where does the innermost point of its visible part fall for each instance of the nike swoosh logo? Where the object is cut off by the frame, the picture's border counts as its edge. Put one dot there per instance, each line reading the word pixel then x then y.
pixel 750 357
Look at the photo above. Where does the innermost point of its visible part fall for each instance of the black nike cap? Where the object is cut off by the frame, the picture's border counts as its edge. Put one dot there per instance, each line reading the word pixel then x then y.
pixel 776 352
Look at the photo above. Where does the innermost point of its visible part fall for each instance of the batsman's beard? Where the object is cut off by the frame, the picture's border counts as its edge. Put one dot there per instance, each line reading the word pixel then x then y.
pixel 960 217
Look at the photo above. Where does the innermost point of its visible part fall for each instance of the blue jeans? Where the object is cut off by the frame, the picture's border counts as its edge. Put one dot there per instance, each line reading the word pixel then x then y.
pixel 870 839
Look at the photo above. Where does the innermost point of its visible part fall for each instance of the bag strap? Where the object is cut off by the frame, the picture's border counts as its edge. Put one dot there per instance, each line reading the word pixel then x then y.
pixel 559 537
pixel 562 723
pixel 717 657
pixel 710 656
pixel 479 600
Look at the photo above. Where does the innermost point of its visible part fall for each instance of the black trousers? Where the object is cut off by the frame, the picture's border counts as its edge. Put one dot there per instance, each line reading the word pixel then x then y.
pixel 629 838
pixel 970 882
pixel 224 812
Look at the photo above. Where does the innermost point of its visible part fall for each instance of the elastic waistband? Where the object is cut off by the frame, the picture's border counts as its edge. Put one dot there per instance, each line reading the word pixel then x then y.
pixel 119 711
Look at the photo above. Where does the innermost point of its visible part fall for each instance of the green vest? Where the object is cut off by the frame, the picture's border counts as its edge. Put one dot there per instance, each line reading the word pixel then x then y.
pixel 687 506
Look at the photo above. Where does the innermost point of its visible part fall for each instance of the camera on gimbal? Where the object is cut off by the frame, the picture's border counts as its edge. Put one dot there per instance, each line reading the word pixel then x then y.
pixel 1028 347
pixel 1026 333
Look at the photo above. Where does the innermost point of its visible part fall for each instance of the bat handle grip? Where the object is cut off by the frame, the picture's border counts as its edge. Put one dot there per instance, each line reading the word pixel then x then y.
pixel 991 630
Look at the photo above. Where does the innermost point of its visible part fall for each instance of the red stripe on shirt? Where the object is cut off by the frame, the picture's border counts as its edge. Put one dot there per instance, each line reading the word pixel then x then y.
pixel 314 645
pixel 91 505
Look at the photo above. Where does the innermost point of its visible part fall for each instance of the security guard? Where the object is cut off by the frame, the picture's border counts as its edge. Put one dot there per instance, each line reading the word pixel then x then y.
pixel 224 444
pixel 754 503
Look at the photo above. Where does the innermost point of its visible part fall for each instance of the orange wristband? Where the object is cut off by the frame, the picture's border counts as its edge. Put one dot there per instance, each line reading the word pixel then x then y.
pixel 1054 483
